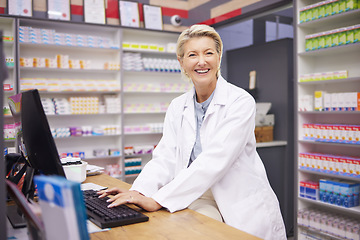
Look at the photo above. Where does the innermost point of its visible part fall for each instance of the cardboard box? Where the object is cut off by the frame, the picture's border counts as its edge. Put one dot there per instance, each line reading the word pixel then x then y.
pixel 264 133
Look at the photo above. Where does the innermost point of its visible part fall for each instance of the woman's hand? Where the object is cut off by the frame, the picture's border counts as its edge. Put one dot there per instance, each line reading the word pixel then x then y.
pixel 122 196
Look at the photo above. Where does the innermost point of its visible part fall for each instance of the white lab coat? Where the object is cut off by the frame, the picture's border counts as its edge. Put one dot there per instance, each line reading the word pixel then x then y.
pixel 228 164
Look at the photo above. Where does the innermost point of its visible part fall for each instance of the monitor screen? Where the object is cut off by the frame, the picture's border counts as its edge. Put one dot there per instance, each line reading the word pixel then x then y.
pixel 34 137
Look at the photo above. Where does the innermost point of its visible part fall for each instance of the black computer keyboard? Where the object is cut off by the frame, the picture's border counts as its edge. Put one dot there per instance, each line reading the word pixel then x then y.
pixel 105 217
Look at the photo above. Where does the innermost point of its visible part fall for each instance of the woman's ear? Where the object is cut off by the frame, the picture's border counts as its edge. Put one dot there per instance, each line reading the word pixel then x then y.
pixel 180 61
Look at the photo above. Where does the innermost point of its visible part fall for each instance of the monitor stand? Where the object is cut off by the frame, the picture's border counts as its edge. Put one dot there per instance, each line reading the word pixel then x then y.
pixel 15 216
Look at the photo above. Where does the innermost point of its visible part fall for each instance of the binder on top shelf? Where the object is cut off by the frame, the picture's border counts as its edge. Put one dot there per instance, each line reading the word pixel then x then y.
pixel 63 208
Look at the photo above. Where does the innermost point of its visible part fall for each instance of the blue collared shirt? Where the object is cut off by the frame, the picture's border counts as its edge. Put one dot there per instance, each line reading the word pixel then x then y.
pixel 200 110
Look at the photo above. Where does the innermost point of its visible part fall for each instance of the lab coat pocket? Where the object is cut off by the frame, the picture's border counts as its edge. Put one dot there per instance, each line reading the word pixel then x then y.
pixel 258 214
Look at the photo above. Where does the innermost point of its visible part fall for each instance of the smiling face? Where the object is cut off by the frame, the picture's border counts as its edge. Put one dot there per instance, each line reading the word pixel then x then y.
pixel 201 62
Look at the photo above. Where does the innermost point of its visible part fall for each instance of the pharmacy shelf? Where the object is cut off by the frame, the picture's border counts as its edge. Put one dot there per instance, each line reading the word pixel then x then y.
pixel 330 175
pixel 88 136
pixel 342 80
pixel 43 47
pixel 145 78
pixel 8 43
pixel 142 133
pixel 329 143
pixel 271 144
pixel 133 50
pixel 330 20
pixel 353 210
pixel 145 73
pixel 321 233
pixel 82 115
pixel 102 158
pixel 71 70
pixel 137 155
pixel 131 175
pixel 140 113
pixel 329 112
pixel 95 58
pixel 154 92
pixel 8 29
pixel 78 92
pixel 339 58
pixel 9 93
pixel 331 51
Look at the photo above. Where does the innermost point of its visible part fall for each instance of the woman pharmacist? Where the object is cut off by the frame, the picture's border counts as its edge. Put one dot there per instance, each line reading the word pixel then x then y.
pixel 207 159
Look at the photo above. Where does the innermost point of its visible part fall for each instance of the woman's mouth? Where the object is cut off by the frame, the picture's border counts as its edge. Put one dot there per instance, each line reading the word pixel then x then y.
pixel 202 71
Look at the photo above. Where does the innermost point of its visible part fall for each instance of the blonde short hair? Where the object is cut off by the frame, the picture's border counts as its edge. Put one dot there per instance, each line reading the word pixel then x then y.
pixel 199 30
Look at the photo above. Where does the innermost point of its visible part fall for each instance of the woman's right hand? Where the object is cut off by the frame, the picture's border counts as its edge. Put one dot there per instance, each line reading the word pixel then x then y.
pixel 111 191
pixel 122 196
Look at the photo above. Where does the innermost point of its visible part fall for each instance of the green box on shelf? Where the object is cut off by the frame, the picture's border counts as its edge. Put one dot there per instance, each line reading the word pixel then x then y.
pixel 315 13
pixel 328 9
pixel 356 33
pixel 334 38
pixel 308 15
pixel 342 6
pixel 328 39
pixel 350 35
pixel 302 17
pixel 351 4
pixel 335 7
pixel 315 42
pixel 308 42
pixel 321 40
pixel 342 36
pixel 321 10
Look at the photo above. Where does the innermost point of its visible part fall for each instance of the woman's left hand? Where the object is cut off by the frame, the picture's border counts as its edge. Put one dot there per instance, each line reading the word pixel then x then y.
pixel 136 198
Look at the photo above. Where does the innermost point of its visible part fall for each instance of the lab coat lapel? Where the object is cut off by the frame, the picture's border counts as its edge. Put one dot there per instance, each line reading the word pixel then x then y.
pixel 188 114
pixel 188 130
pixel 219 97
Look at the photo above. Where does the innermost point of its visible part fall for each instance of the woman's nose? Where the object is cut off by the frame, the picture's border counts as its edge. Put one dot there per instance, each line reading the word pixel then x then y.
pixel 202 60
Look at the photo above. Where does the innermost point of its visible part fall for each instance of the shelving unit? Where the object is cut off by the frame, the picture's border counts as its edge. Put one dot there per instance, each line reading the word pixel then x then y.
pixel 9 85
pixel 345 57
pixel 99 63
pixel 75 81
pixel 146 94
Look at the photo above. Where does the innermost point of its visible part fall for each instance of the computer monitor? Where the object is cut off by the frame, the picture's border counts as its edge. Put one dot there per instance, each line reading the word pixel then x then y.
pixel 34 139
pixel 33 133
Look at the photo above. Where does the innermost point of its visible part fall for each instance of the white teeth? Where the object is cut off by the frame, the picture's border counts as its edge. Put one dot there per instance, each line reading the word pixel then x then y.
pixel 202 71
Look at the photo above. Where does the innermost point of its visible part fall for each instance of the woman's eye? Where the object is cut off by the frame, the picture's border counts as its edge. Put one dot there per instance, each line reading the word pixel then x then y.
pixel 209 53
pixel 191 55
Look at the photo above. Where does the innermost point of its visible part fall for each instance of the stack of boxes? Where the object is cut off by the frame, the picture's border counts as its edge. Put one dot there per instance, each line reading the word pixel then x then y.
pixel 325 9
pixel 333 38
pixel 340 193
pixel 336 225
pixel 333 133
pixel 264 123
pixel 132 166
pixel 340 101
pixel 50 36
pixel 69 85
pixel 309 189
pixel 328 163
